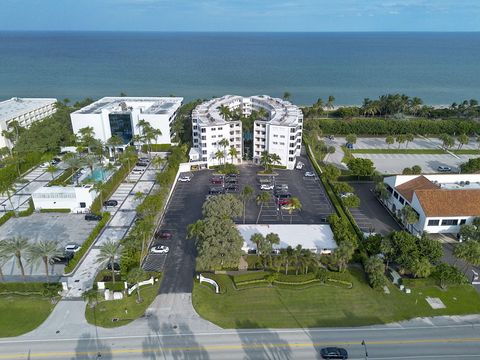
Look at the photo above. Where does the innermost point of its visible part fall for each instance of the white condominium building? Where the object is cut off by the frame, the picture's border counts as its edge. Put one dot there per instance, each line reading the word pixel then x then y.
pixel 278 129
pixel 25 111
pixel 120 116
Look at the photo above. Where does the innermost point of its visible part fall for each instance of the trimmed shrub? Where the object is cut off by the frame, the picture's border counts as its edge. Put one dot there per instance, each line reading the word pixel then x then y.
pixel 29 211
pixel 31 288
pixel 5 217
pixel 55 210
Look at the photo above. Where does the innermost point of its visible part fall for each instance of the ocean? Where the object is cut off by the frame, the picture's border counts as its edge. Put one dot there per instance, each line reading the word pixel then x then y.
pixel 438 67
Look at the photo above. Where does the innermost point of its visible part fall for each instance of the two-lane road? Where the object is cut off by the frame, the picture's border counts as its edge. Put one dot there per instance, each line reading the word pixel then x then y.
pixel 384 342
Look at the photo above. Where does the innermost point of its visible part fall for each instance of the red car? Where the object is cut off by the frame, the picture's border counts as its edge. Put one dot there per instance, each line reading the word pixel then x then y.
pixel 217 180
pixel 163 234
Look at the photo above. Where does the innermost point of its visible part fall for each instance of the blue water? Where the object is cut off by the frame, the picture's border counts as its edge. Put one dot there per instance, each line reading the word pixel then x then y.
pixel 438 67
pixel 98 175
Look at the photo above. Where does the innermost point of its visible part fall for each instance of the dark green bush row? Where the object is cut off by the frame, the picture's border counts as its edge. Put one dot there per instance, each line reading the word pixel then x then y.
pixel 249 276
pixel 157 147
pixel 62 179
pixel 55 210
pixel 86 245
pixel 9 174
pixel 5 217
pixel 44 289
pixel 393 127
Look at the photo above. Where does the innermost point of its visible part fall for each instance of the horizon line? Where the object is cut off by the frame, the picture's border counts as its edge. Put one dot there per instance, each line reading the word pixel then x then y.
pixel 245 31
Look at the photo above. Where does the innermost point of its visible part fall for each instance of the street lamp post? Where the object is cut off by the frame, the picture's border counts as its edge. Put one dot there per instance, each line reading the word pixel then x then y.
pixel 4 207
pixel 365 347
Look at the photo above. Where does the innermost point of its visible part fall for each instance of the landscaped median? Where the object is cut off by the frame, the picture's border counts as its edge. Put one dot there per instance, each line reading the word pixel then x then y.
pixel 322 304
pixel 415 151
pixel 24 306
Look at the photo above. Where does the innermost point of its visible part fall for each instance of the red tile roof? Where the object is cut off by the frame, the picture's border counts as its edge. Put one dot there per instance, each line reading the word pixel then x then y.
pixel 443 202
pixel 419 183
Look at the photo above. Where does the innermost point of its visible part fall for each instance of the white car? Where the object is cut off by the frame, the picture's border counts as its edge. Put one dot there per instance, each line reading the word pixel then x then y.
pixel 184 178
pixel 45 165
pixel 346 194
pixel 309 174
pixel 300 165
pixel 266 187
pixel 73 248
pixel 160 249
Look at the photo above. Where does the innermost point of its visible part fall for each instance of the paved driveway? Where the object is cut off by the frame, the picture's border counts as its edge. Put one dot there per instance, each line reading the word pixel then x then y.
pixel 371 216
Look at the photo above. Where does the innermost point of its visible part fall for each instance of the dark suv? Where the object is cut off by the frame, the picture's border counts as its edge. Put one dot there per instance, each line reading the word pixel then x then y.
pixel 67 256
pixel 333 353
pixel 93 217
pixel 216 191
pixel 163 234
pixel 110 203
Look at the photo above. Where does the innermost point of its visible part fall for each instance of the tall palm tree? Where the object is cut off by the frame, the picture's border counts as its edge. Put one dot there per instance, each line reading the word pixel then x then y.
pixel 275 159
pixel 90 161
pixel 246 195
pixel 52 169
pixel 74 163
pixel 233 152
pixel 16 247
pixel 295 205
pixel 308 259
pixel 265 159
pixel 224 143
pixel 330 102
pixel 3 260
pixel 44 250
pixel 219 155
pixel 297 253
pixel 108 252
pixel 257 239
pixel 262 199
pixel 9 190
pixel 135 276
pixel 157 162
pixel 98 187
pixel 112 143
pixel 224 112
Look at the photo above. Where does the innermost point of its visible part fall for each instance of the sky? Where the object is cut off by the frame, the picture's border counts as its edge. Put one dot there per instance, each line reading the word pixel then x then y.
pixel 240 15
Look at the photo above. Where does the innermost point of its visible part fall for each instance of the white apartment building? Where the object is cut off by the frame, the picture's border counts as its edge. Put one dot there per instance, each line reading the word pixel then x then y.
pixel 25 111
pixel 443 202
pixel 279 132
pixel 120 116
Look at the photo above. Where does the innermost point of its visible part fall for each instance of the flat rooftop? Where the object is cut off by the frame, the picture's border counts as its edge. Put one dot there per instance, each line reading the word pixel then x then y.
pixel 14 107
pixel 312 237
pixel 147 105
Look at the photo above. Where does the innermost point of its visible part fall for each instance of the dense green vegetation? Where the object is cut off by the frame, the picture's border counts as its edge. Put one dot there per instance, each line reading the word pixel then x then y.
pixel 324 305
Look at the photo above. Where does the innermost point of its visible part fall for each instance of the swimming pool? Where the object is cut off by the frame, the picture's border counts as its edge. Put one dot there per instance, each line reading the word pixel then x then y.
pixel 98 174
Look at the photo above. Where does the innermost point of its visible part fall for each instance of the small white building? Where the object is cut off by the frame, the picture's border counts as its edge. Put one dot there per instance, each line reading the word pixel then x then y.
pixel 316 238
pixel 25 111
pixel 278 132
pixel 75 198
pixel 120 116
pixel 443 202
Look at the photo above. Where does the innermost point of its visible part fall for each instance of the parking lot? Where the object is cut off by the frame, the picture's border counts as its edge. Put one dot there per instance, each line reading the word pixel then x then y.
pixel 371 216
pixel 63 228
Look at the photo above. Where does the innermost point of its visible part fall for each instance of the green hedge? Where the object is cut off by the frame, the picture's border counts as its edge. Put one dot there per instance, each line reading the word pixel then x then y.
pixel 249 276
pixel 117 286
pixel 55 211
pixel 62 179
pixel 157 147
pixel 30 288
pixel 29 211
pixel 86 245
pixel 5 217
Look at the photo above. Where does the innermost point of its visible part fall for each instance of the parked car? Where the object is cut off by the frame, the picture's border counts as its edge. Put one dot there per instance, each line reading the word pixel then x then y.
pixel 138 171
pixel 300 165
pixel 231 188
pixel 333 353
pixel 141 164
pixel 331 137
pixel 281 188
pixel 184 178
pixel 287 207
pixel 265 180
pixel 309 174
pixel 266 187
pixel 62 259
pixel 216 191
pixel 55 161
pixel 344 195
pixel 231 181
pixel 349 145
pixel 44 165
pixel 232 175
pixel 443 168
pixel 163 234
pixel 160 249
pixel 93 217
pixel 110 203
pixel 116 266
pixel 72 248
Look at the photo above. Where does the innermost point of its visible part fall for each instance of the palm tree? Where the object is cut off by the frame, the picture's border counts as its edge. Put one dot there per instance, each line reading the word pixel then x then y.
pixel 295 204
pixel 463 139
pixel 3 260
pixel 287 96
pixel 401 139
pixel 90 161
pixel 44 250
pixel 262 199
pixel 109 251
pixel 233 152
pixel 135 276
pixel 308 259
pixel 409 215
pixel 15 247
pixel 195 230
pixel 91 297
pixel 9 190
pixel 330 102
pixel 219 155
pixel 265 159
pixel 408 138
pixel 52 169
pixel 225 112
pixel 224 143
pixel 275 159
pixel 113 142
pixel 246 195
pixel 74 163
pixel 157 162
pixel 389 140
pixel 257 239
pixel 98 186
pixel 297 252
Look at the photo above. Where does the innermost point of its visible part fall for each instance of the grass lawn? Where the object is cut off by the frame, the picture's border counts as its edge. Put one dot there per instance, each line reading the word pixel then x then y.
pixel 21 314
pixel 321 305
pixel 413 151
pixel 105 311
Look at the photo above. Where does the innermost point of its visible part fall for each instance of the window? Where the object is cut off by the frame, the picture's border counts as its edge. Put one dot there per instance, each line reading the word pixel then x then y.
pixel 291 152
pixel 292 137
pixel 213 129
pixel 220 128
pixel 275 135
pixel 282 143
pixel 451 222
pixel 83 205
pixel 121 125
pixel 275 143
pixel 204 152
pixel 290 159
pixel 402 201
pixel 463 221
pixel 195 127
pixel 433 222
pixel 214 136
pixel 282 136
pixel 195 134
pixel 204 159
pixel 203 130
pixel 195 140
pixel 204 137
pixel 395 195
pixel 292 130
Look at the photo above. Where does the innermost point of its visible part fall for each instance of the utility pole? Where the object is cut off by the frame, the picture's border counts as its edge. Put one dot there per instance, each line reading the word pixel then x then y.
pixel 365 347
